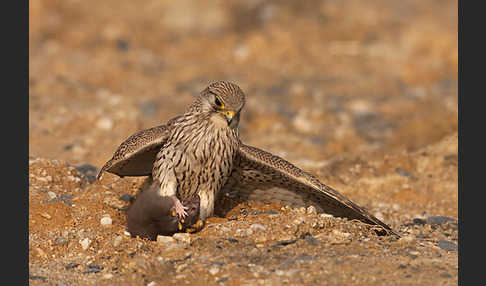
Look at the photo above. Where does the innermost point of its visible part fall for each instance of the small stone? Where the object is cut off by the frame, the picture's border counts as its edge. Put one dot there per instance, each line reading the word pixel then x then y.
pixel 93 268
pixel 324 215
pixel 105 124
pixel 408 238
pixel 45 215
pixel 379 216
pixel 402 172
pixel 260 239
pixel 107 276
pixel 89 172
pixel 51 195
pixel 85 243
pixel 257 227
pixel 311 210
pixel 37 277
pixel 240 232
pixel 126 198
pixel 122 45
pixel 117 240
pixel 105 221
pixel 126 233
pixel 299 220
pixel 165 239
pixel 41 253
pixel 152 284
pixel 60 241
pixel 71 265
pixel 419 221
pixel 62 284
pixel 415 253
pixel 439 219
pixel 447 245
pixel 338 236
pixel 184 238
pixel 214 270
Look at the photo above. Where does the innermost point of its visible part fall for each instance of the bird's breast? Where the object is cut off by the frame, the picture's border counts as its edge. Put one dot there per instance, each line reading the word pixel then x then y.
pixel 201 158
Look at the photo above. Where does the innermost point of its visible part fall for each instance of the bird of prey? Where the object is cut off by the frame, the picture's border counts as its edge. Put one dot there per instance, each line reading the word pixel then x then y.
pixel 200 153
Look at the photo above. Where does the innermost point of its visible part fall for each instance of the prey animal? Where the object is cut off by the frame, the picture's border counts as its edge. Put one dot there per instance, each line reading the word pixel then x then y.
pixel 200 152
pixel 151 214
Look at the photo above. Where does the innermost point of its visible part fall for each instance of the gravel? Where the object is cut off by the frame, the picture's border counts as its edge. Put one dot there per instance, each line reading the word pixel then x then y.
pixel 438 220
pixel 447 245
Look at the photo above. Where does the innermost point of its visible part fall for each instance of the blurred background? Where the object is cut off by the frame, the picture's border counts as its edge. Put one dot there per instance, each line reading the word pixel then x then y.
pixel 323 79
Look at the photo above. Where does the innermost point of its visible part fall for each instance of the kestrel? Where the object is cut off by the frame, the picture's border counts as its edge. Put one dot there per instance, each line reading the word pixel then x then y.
pixel 200 153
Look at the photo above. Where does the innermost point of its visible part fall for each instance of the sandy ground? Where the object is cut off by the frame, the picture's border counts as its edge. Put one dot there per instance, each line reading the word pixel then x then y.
pixel 362 95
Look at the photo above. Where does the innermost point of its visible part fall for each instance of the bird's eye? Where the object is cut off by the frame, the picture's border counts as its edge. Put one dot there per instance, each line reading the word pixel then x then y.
pixel 218 103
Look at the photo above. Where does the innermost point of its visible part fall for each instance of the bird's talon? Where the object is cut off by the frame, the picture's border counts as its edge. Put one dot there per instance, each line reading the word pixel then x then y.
pixel 195 227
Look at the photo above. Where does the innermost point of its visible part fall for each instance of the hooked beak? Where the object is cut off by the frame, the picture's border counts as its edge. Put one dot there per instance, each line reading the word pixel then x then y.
pixel 231 117
pixel 228 115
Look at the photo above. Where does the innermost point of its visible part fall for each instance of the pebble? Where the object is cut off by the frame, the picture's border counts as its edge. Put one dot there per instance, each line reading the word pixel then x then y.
pixel 439 219
pixel 260 239
pixel 184 238
pixel 379 216
pixel 126 198
pixel 89 172
pixel 117 240
pixel 225 229
pixel 257 226
pixel 41 253
pixel 311 210
pixel 338 236
pixel 71 265
pixel 240 232
pixel 299 220
pixel 402 172
pixel 165 239
pixel 85 243
pixel 214 270
pixel 106 220
pixel 60 241
pixel 107 276
pixel 45 215
pixel 105 124
pixel 408 238
pixel 93 268
pixel 324 215
pixel 51 195
pixel 447 245
pixel 152 284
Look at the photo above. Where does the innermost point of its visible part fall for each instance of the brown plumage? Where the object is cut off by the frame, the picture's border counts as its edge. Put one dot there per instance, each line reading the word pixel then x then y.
pixel 200 152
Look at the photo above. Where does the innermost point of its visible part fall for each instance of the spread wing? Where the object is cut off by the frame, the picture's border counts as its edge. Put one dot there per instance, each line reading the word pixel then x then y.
pixel 136 155
pixel 261 176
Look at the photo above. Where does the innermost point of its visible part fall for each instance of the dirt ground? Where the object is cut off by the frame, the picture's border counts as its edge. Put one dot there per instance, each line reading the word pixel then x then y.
pixel 362 94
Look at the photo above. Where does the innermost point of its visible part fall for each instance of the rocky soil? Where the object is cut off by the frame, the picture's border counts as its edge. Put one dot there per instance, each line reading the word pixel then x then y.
pixel 361 94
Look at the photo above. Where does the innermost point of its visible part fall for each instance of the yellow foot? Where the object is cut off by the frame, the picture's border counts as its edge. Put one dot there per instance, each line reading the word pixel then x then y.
pixel 196 227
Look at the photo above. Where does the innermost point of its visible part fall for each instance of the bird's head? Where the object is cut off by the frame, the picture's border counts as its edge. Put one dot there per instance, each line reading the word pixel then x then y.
pixel 223 98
